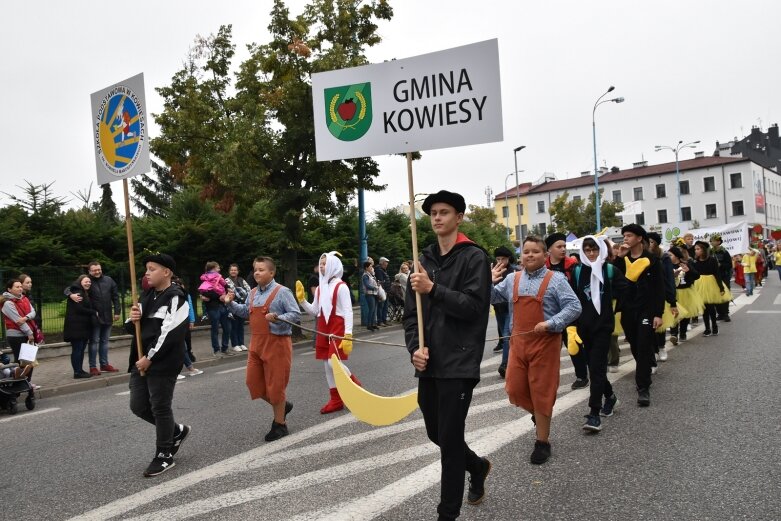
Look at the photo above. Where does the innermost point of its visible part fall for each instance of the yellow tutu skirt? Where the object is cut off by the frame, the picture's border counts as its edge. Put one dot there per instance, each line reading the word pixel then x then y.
pixel 668 319
pixel 710 290
pixel 691 301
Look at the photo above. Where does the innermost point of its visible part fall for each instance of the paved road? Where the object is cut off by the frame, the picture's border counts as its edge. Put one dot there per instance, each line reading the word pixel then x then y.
pixel 707 448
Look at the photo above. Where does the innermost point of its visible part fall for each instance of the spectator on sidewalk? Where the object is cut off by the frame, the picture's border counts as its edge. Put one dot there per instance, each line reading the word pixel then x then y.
pixel 383 279
pixel 215 310
pixel 18 316
pixel 370 292
pixel 270 354
pixel 402 277
pixel 241 291
pixel 104 295
pixel 80 319
pixel 189 356
pixel 162 312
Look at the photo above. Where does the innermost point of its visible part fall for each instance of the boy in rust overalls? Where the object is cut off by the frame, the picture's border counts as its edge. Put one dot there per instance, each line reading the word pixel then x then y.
pixel 271 349
pixel 543 304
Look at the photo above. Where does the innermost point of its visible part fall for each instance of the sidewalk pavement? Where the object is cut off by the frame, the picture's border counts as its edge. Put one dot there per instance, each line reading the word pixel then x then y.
pixel 54 375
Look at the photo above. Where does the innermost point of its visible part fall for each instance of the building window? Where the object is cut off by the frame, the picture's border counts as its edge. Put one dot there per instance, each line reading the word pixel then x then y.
pixel 683 186
pixel 576 198
pixel 543 229
pixel 616 196
pixel 505 212
pixel 661 191
pixel 524 231
pixel 709 184
pixel 639 194
pixel 736 181
pixel 519 209
pixel 710 211
pixel 540 206
pixel 662 216
pixel 640 219
pixel 686 213
pixel 737 208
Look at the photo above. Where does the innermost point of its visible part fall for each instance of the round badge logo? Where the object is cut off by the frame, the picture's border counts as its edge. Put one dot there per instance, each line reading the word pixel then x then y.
pixel 348 110
pixel 119 130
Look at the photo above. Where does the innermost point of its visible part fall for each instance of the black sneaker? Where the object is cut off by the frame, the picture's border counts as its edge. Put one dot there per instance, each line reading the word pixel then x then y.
pixel 727 319
pixel 715 331
pixel 502 370
pixel 278 430
pixel 82 374
pixel 541 452
pixel 288 408
pixel 477 484
pixel 178 439
pixel 160 464
pixel 609 407
pixel 593 423
pixel 498 348
pixel 682 337
pixel 706 332
pixel 643 398
pixel 534 420
pixel 580 383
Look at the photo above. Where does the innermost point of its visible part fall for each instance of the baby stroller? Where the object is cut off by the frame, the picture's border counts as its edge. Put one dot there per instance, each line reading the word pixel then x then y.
pixel 13 383
pixel 395 303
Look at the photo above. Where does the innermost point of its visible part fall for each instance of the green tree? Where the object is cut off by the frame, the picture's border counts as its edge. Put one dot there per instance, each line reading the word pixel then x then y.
pixel 579 216
pixel 480 225
pixel 106 208
pixel 152 193
pixel 259 143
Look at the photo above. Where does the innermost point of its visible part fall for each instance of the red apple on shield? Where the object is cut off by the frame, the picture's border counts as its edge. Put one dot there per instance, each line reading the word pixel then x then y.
pixel 347 110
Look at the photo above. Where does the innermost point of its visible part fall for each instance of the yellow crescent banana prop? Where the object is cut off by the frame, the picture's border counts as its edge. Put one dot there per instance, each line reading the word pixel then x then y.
pixel 368 407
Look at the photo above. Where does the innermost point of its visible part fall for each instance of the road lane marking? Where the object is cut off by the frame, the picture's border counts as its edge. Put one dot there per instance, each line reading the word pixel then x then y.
pixel 226 371
pixel 123 393
pixel 28 414
pixel 764 311
pixel 777 301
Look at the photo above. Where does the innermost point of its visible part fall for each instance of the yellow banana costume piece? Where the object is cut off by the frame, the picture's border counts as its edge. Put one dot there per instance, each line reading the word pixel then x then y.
pixel 634 269
pixel 347 343
pixel 573 341
pixel 300 292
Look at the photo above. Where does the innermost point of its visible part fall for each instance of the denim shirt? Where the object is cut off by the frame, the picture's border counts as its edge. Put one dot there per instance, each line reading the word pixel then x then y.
pixel 560 306
pixel 284 305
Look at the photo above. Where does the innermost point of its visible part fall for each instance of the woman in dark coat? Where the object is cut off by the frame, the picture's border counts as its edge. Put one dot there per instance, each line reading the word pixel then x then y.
pixel 80 318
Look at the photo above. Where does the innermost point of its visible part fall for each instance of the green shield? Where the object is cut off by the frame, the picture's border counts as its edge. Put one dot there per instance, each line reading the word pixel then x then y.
pixel 348 110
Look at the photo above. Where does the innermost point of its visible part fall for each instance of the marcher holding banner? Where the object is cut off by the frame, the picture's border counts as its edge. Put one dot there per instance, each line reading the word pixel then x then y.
pixel 455 306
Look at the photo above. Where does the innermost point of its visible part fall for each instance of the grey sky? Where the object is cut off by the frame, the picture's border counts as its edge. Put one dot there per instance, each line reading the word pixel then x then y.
pixel 705 70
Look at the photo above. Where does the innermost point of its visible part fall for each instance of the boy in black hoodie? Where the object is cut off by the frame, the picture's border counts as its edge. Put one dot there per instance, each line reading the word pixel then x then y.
pixel 641 305
pixel 163 312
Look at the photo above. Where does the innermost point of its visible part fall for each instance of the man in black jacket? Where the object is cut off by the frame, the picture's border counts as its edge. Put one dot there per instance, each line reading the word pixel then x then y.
pixel 163 312
pixel 453 278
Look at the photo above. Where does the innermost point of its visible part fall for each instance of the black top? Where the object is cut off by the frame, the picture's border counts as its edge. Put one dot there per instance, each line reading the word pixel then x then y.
pixel 646 295
pixel 80 317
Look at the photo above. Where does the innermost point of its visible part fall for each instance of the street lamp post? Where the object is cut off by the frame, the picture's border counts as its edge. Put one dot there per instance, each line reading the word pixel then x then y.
pixel 517 191
pixel 677 148
pixel 594 139
pixel 506 206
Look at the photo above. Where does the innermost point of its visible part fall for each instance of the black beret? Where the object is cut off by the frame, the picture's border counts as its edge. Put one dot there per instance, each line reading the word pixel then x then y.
pixel 553 238
pixel 675 250
pixel 653 236
pixel 163 259
pixel 635 229
pixel 504 251
pixel 703 244
pixel 443 196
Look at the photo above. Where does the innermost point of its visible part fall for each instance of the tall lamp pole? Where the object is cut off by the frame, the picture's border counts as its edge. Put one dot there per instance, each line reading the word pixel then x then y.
pixel 677 148
pixel 594 139
pixel 506 206
pixel 517 191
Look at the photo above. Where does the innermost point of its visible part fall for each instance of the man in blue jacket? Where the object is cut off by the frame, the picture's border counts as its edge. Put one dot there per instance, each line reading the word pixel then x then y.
pixel 453 278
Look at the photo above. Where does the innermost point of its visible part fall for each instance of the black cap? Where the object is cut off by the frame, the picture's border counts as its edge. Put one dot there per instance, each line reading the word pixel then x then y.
pixel 653 236
pixel 705 245
pixel 163 259
pixel 443 196
pixel 675 250
pixel 504 251
pixel 553 238
pixel 635 229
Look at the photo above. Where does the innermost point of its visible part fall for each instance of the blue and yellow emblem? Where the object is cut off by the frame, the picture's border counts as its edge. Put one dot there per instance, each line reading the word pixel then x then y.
pixel 120 130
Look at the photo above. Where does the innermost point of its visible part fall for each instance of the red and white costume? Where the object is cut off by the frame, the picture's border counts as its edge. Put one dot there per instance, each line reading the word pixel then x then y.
pixel 334 311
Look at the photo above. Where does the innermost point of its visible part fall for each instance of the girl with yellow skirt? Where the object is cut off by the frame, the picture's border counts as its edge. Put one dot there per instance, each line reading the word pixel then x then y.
pixel 709 285
pixel 690 303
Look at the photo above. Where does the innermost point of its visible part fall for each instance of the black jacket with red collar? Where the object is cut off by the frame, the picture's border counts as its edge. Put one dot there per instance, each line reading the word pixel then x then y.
pixel 455 312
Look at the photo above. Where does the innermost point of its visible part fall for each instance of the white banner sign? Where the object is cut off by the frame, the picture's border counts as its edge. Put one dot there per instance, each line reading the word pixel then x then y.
pixel 119 130
pixel 734 237
pixel 444 99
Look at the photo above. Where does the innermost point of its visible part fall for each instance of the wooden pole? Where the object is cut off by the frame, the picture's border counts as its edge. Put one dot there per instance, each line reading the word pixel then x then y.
pixel 414 230
pixel 132 260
